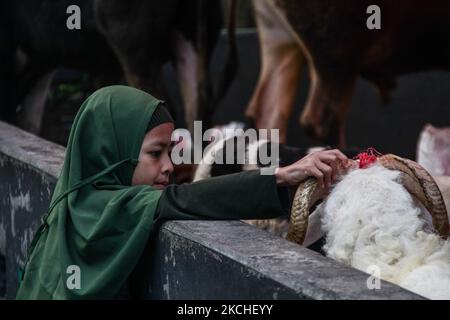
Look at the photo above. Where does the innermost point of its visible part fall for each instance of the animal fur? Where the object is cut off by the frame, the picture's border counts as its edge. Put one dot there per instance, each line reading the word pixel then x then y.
pixel 371 219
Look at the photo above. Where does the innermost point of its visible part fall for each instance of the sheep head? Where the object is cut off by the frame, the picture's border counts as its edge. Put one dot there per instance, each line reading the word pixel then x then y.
pixel 413 177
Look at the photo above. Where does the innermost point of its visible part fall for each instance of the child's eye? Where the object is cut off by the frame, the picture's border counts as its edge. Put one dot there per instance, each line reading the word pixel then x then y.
pixel 155 154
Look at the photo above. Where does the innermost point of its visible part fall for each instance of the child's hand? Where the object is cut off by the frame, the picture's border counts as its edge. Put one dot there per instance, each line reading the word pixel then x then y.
pixel 325 165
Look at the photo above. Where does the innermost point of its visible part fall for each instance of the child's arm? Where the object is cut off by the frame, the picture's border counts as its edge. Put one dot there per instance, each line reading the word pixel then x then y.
pixel 244 195
pixel 248 194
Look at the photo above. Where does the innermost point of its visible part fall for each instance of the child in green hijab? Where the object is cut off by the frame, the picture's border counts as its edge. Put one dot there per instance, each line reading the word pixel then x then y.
pixel 114 191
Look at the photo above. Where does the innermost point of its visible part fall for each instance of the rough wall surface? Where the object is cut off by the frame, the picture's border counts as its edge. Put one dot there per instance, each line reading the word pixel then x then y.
pixel 28 172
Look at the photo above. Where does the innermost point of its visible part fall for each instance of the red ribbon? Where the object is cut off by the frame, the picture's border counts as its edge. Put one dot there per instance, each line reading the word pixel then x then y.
pixel 367 158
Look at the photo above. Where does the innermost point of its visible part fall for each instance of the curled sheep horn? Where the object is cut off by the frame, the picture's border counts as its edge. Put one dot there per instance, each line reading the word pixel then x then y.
pixel 307 194
pixel 420 184
pixel 413 177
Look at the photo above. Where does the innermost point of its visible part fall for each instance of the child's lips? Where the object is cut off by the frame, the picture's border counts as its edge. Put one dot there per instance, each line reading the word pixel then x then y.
pixel 161 184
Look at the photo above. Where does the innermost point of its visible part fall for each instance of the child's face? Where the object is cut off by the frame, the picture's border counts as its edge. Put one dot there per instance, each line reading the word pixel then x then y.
pixel 155 165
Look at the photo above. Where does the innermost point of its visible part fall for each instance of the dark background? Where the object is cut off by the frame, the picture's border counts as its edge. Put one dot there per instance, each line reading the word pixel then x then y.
pixel 420 98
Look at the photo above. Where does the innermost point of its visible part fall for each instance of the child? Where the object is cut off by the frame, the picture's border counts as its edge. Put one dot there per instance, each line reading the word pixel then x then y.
pixel 114 191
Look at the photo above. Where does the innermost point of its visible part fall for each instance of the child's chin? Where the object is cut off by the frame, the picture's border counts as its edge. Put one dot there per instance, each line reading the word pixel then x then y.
pixel 159 186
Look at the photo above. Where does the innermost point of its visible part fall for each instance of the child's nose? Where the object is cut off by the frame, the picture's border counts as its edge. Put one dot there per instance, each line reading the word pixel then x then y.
pixel 167 168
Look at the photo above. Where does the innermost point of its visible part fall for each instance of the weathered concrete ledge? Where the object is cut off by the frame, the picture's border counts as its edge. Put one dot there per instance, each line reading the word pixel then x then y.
pixel 190 259
pixel 232 260
pixel 29 167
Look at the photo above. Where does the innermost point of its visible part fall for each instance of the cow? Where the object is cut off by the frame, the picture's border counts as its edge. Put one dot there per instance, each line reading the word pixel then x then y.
pixel 118 39
pixel 333 39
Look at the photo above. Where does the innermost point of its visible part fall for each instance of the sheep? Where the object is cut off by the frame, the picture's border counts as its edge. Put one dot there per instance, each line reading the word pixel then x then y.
pixel 286 154
pixel 390 215
pixel 209 167
pixel 370 219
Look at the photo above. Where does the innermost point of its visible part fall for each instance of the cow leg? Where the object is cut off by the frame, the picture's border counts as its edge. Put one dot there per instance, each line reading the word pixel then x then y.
pixel 34 104
pixel 197 29
pixel 282 63
pixel 325 112
pixel 137 31
pixel 31 85
pixel 186 62
pixel 192 71
pixel 143 70
pixel 333 62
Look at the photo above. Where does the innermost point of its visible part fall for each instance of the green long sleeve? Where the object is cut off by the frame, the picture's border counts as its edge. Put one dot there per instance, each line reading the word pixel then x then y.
pixel 244 195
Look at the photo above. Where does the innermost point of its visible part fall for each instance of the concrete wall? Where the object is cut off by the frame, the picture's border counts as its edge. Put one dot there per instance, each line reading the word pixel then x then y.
pixel 29 167
pixel 189 259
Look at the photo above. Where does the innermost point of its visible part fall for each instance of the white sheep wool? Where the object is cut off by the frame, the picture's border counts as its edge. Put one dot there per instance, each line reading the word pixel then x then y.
pixel 371 220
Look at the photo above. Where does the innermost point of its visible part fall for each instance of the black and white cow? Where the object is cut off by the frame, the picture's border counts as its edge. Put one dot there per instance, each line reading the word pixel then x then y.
pixel 117 39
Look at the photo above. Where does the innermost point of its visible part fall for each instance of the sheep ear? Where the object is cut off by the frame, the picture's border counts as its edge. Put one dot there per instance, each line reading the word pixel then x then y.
pixel 421 184
pixel 307 194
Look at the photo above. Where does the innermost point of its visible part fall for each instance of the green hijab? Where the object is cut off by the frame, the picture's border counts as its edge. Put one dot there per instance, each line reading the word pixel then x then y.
pixel 98 224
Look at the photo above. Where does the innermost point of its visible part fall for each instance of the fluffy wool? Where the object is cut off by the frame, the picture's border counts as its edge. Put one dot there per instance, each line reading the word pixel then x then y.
pixel 371 219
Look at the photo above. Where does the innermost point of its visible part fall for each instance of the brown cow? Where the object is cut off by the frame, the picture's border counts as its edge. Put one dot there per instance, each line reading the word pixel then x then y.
pixel 332 36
